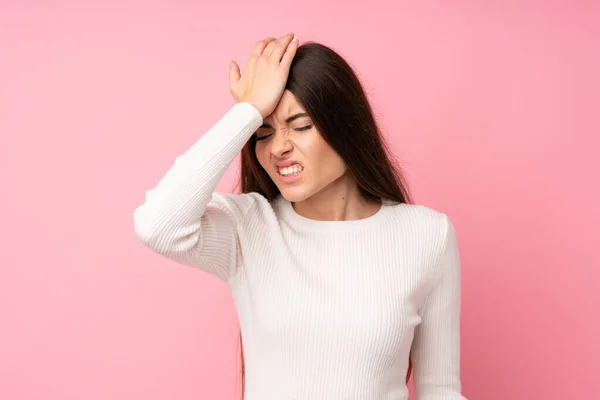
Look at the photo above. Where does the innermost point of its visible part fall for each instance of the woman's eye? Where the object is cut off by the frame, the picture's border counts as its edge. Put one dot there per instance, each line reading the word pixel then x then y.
pixel 263 137
pixel 303 128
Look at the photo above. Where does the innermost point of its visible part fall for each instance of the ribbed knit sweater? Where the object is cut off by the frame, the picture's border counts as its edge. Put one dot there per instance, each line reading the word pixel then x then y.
pixel 328 310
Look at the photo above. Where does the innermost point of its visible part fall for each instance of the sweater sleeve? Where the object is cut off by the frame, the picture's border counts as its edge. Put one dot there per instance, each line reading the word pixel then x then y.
pixel 436 347
pixel 182 218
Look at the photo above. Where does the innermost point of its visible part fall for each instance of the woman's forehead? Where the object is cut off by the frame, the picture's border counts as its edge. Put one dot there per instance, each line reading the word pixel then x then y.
pixel 287 107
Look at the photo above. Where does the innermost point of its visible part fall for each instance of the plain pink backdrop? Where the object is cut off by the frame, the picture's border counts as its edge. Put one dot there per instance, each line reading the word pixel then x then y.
pixel 491 106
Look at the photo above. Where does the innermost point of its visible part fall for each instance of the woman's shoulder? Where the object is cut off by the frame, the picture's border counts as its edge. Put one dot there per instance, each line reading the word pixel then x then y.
pixel 421 219
pixel 418 212
pixel 426 230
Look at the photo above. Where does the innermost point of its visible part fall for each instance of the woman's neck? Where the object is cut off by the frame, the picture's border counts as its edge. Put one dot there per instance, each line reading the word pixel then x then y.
pixel 342 200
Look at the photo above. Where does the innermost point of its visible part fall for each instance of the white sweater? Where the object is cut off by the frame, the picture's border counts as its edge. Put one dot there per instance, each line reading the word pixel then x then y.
pixel 328 310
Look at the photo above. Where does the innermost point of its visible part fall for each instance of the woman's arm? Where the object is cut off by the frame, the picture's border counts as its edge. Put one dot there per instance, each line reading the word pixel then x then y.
pixel 182 218
pixel 436 347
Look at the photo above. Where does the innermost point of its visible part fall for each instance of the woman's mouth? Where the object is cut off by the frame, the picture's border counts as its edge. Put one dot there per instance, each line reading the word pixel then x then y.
pixel 292 170
pixel 290 174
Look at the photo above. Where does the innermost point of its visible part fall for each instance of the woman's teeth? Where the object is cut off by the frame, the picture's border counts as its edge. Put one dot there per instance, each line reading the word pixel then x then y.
pixel 291 170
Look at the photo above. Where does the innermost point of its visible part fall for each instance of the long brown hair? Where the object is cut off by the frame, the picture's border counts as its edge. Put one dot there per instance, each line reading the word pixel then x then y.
pixel 333 97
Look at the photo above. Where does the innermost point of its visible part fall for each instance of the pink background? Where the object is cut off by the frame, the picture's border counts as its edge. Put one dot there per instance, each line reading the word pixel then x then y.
pixel 491 106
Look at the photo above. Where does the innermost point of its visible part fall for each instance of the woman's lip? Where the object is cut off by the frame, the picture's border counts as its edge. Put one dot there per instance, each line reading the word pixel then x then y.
pixel 290 178
pixel 284 164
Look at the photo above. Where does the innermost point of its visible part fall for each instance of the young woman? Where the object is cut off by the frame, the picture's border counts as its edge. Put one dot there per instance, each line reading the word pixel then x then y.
pixel 340 283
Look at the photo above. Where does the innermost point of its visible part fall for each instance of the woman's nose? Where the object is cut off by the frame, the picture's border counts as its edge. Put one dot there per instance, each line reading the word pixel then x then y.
pixel 281 145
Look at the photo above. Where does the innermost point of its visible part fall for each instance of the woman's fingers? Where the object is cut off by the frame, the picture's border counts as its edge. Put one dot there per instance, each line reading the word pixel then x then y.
pixel 280 47
pixel 273 48
pixel 290 52
pixel 269 49
pixel 234 72
pixel 260 46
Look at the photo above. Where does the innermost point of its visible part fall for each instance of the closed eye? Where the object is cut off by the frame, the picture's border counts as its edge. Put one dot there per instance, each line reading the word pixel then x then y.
pixel 263 137
pixel 298 129
pixel 303 128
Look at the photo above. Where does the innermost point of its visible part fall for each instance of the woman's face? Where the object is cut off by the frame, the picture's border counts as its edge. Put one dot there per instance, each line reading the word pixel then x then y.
pixel 291 150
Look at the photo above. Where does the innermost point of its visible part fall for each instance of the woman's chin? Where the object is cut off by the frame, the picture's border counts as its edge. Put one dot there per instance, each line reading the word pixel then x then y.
pixel 294 194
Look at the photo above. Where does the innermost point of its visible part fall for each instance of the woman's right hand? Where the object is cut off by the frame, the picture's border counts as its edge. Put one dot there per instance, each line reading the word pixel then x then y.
pixel 263 82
